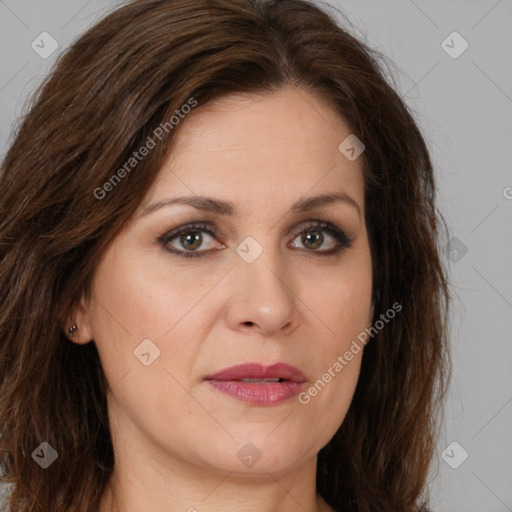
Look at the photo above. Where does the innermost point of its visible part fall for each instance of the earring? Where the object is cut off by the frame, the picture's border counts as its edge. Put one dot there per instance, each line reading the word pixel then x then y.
pixel 72 330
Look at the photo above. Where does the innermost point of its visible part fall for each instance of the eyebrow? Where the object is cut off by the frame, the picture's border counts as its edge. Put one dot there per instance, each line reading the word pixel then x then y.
pixel 219 207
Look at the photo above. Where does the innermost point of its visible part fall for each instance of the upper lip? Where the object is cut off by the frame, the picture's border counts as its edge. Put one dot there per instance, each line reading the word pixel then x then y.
pixel 259 371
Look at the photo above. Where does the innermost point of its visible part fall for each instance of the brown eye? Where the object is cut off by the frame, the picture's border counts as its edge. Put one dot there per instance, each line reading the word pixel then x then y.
pixel 187 240
pixel 191 240
pixel 313 237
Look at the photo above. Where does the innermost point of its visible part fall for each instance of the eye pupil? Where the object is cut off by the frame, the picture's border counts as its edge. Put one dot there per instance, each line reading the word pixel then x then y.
pixel 191 236
pixel 307 237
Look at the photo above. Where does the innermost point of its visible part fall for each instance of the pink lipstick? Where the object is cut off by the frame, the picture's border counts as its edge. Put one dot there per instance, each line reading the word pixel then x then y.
pixel 257 384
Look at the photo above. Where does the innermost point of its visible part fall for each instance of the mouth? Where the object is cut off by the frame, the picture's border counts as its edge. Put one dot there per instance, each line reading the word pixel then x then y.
pixel 256 384
pixel 262 381
pixel 257 373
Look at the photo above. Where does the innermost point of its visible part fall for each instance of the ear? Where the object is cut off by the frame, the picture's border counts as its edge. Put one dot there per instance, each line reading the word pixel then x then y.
pixel 80 317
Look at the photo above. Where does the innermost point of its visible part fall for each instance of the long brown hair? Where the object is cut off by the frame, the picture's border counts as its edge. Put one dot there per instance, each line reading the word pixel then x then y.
pixel 106 95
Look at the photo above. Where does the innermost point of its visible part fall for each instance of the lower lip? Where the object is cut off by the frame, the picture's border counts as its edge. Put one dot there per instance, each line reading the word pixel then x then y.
pixel 264 393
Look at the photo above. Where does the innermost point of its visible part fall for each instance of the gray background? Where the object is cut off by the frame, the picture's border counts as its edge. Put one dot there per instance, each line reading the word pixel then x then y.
pixel 464 106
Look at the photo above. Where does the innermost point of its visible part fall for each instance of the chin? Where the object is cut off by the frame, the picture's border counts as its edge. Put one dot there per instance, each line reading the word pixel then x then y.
pixel 255 453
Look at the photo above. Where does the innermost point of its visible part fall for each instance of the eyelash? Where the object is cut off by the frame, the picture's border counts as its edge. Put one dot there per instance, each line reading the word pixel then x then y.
pixel 343 240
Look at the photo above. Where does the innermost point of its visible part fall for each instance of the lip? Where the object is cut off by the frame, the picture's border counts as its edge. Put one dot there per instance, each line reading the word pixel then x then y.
pixel 258 371
pixel 228 381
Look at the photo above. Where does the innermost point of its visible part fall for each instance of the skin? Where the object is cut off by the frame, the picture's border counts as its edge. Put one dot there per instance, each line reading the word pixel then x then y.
pixel 176 438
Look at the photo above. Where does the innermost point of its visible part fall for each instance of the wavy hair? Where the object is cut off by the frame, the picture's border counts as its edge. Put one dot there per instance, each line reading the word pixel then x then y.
pixel 106 94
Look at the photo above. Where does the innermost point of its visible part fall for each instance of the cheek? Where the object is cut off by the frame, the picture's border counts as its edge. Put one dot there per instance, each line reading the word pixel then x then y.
pixel 342 305
pixel 343 308
pixel 140 299
pixel 326 401
pixel 136 301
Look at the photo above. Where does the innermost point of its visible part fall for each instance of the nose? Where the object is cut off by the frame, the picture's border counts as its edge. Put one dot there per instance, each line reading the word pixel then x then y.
pixel 262 298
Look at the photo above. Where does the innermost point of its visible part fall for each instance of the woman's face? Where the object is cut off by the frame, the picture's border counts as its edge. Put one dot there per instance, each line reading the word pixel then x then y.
pixel 259 282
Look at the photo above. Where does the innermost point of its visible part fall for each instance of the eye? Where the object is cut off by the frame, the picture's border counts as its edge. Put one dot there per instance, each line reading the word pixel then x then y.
pixel 311 237
pixel 189 237
pixel 186 241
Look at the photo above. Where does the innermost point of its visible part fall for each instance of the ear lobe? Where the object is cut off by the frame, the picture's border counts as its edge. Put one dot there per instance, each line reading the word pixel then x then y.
pixel 77 327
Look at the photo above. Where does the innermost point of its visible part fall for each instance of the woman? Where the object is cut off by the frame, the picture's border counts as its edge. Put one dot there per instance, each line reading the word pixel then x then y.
pixel 220 281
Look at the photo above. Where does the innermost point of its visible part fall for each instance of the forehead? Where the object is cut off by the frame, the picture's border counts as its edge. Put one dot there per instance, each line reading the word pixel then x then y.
pixel 247 146
pixel 281 119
